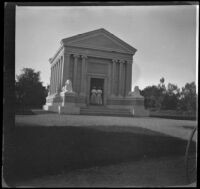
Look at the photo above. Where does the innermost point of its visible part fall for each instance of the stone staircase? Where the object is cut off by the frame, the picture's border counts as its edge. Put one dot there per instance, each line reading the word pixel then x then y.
pixel 104 111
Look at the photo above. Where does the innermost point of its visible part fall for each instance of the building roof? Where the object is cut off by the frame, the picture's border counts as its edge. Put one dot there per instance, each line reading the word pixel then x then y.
pixel 70 40
pixel 99 39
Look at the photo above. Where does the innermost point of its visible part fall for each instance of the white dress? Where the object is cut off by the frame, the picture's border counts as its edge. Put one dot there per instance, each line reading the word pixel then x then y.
pixel 99 96
pixel 93 96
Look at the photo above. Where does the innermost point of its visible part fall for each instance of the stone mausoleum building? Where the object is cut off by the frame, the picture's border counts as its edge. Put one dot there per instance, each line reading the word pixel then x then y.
pixel 93 59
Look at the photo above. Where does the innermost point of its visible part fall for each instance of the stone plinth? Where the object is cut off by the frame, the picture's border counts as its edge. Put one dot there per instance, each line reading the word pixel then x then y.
pixel 68 105
pixel 137 109
pixel 133 101
pixel 135 105
pixel 52 102
pixel 69 108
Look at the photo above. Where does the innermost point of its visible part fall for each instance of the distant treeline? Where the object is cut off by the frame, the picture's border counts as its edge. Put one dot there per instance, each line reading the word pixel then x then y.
pixel 171 97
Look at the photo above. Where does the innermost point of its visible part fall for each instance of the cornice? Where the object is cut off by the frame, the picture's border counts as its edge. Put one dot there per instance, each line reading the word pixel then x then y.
pixel 55 55
pixel 99 54
pixel 100 48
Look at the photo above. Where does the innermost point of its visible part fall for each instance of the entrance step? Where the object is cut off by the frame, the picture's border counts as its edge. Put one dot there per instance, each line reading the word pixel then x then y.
pixel 104 111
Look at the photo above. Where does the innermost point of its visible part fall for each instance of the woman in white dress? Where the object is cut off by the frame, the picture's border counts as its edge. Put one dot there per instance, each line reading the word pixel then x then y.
pixel 99 96
pixel 94 96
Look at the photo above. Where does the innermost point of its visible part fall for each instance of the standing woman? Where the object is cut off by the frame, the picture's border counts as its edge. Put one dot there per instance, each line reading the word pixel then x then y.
pixel 99 96
pixel 94 96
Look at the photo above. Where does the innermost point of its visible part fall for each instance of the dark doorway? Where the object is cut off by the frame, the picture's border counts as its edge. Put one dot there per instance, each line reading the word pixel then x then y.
pixel 97 83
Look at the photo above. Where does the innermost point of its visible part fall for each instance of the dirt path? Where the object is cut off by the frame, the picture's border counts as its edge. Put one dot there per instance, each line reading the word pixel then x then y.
pixel 146 172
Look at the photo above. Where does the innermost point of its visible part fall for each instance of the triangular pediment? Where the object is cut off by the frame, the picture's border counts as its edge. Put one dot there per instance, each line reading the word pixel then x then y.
pixel 99 39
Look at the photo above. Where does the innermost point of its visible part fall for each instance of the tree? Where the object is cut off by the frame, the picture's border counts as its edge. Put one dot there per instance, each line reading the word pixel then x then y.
pixel 162 93
pixel 173 89
pixel 188 97
pixel 162 83
pixel 171 97
pixel 152 96
pixel 29 91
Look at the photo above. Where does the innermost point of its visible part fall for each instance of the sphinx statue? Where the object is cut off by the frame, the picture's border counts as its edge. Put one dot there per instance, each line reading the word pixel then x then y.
pixel 135 93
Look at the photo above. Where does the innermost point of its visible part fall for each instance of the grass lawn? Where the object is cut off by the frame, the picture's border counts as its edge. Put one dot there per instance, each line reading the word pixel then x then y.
pixel 146 172
pixel 49 150
pixel 172 114
pixel 36 150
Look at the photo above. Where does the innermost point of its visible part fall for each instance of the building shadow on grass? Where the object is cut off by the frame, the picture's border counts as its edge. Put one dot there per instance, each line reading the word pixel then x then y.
pixel 37 151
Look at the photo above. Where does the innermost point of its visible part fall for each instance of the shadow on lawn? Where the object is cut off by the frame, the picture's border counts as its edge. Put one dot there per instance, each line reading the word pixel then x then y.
pixel 36 151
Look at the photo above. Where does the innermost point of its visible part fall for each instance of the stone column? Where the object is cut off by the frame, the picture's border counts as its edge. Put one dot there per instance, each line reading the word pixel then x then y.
pixel 128 77
pixel 75 72
pixel 50 88
pixel 61 71
pixel 53 79
pixel 56 66
pixel 113 77
pixel 120 78
pixel 59 74
pixel 124 79
pixel 83 74
pixel 109 80
pixel 66 66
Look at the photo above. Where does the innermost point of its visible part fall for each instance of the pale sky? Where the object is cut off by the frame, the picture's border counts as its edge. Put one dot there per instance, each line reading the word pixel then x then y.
pixel 165 37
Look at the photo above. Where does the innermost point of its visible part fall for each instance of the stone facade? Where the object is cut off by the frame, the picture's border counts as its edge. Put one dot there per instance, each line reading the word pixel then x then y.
pixel 96 56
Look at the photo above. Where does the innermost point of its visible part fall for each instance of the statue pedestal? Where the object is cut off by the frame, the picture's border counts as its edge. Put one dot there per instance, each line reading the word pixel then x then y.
pixel 137 109
pixel 64 102
pixel 134 102
pixel 68 105
pixel 52 102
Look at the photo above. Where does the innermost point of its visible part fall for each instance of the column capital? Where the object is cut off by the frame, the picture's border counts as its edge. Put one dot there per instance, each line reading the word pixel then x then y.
pixel 129 61
pixel 121 61
pixel 84 56
pixel 114 60
pixel 76 55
